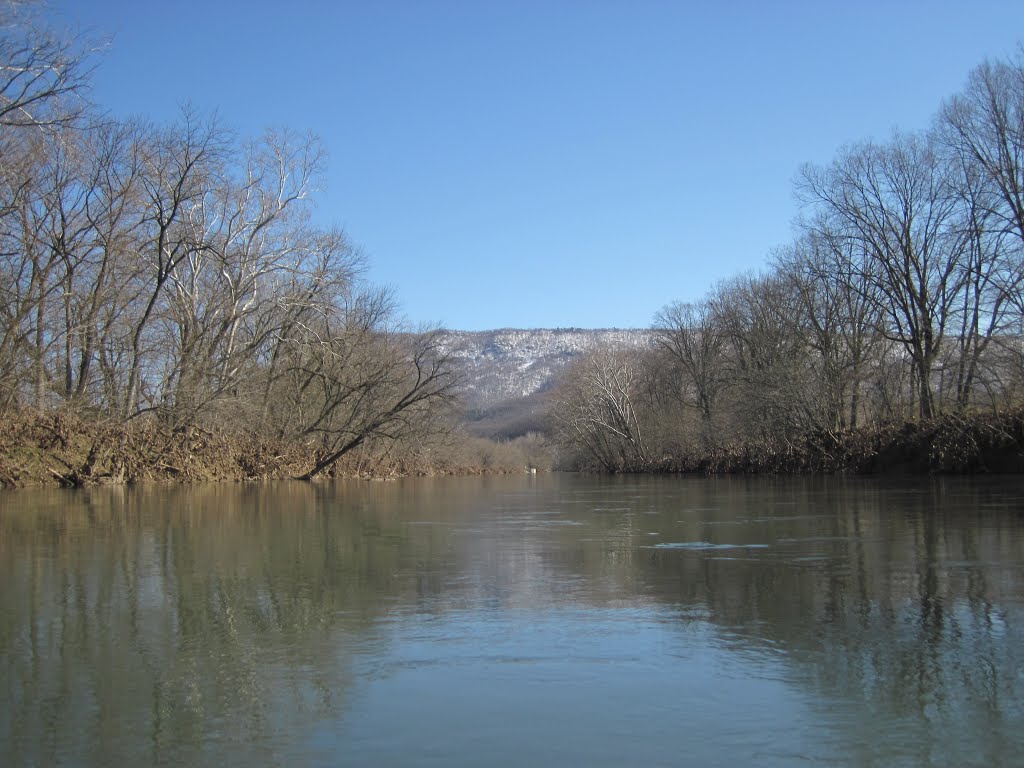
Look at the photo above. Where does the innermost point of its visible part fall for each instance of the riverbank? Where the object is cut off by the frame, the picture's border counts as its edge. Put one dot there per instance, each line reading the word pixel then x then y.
pixel 63 449
pixel 985 443
pixel 58 448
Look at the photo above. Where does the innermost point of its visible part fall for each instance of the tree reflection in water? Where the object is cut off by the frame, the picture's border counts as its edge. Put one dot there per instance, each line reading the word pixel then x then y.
pixel 176 625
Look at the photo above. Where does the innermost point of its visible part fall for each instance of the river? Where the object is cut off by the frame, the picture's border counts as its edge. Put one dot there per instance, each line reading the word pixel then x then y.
pixel 527 621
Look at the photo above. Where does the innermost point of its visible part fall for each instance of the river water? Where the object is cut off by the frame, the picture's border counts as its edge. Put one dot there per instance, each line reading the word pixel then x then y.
pixel 527 621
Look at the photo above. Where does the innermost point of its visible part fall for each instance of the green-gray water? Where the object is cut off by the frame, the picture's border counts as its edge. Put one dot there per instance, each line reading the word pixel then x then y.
pixel 551 620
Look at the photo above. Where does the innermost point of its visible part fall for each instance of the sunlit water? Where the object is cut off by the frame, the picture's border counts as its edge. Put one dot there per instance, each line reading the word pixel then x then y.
pixel 528 621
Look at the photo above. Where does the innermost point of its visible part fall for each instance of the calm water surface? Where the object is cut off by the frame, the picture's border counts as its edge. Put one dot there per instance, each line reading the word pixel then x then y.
pixel 528 621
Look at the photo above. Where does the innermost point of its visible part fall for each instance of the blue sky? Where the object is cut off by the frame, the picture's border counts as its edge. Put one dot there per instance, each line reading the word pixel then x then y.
pixel 559 163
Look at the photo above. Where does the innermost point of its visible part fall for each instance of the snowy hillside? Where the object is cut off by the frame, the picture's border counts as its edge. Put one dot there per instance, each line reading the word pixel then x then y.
pixel 511 364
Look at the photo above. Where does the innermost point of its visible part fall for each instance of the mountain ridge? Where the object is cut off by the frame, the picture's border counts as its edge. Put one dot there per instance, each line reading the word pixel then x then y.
pixel 509 371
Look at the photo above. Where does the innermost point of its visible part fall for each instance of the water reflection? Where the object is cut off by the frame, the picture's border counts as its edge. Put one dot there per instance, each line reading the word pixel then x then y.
pixel 182 616
pixel 532 620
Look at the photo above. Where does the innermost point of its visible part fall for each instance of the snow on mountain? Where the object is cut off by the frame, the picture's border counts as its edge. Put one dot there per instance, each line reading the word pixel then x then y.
pixel 510 364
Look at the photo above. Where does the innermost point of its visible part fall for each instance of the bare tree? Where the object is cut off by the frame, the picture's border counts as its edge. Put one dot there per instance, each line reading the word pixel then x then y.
pixel 983 130
pixel 839 311
pixel 253 230
pixel 43 75
pixel 28 285
pixel 985 122
pixel 362 382
pixel 766 352
pixel 104 284
pixel 690 335
pixel 180 166
pixel 994 274
pixel 597 409
pixel 298 306
pixel 897 204
pixel 173 273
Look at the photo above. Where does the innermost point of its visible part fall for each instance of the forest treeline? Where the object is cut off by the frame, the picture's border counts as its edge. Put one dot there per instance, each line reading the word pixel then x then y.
pixel 895 311
pixel 159 281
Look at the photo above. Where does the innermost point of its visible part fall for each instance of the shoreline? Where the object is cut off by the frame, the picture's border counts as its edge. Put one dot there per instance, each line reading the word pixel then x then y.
pixel 58 449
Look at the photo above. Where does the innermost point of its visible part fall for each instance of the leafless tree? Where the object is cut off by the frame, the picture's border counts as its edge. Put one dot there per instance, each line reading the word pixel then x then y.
pixel 352 379
pixel 28 284
pixel 43 74
pixel 690 334
pixel 181 164
pixel 839 311
pixel 897 203
pixel 985 123
pixel 252 234
pixel 598 412
pixel 766 351
pixel 173 273
pixel 106 284
pixel 982 129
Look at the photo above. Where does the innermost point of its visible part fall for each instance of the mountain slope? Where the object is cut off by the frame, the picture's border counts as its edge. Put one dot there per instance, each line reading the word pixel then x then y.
pixel 509 372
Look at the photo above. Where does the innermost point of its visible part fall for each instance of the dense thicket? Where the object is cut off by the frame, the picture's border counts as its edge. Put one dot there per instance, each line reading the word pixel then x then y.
pixel 172 274
pixel 899 299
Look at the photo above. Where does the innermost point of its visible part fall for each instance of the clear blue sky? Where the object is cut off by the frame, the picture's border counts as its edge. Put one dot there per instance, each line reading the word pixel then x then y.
pixel 552 163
